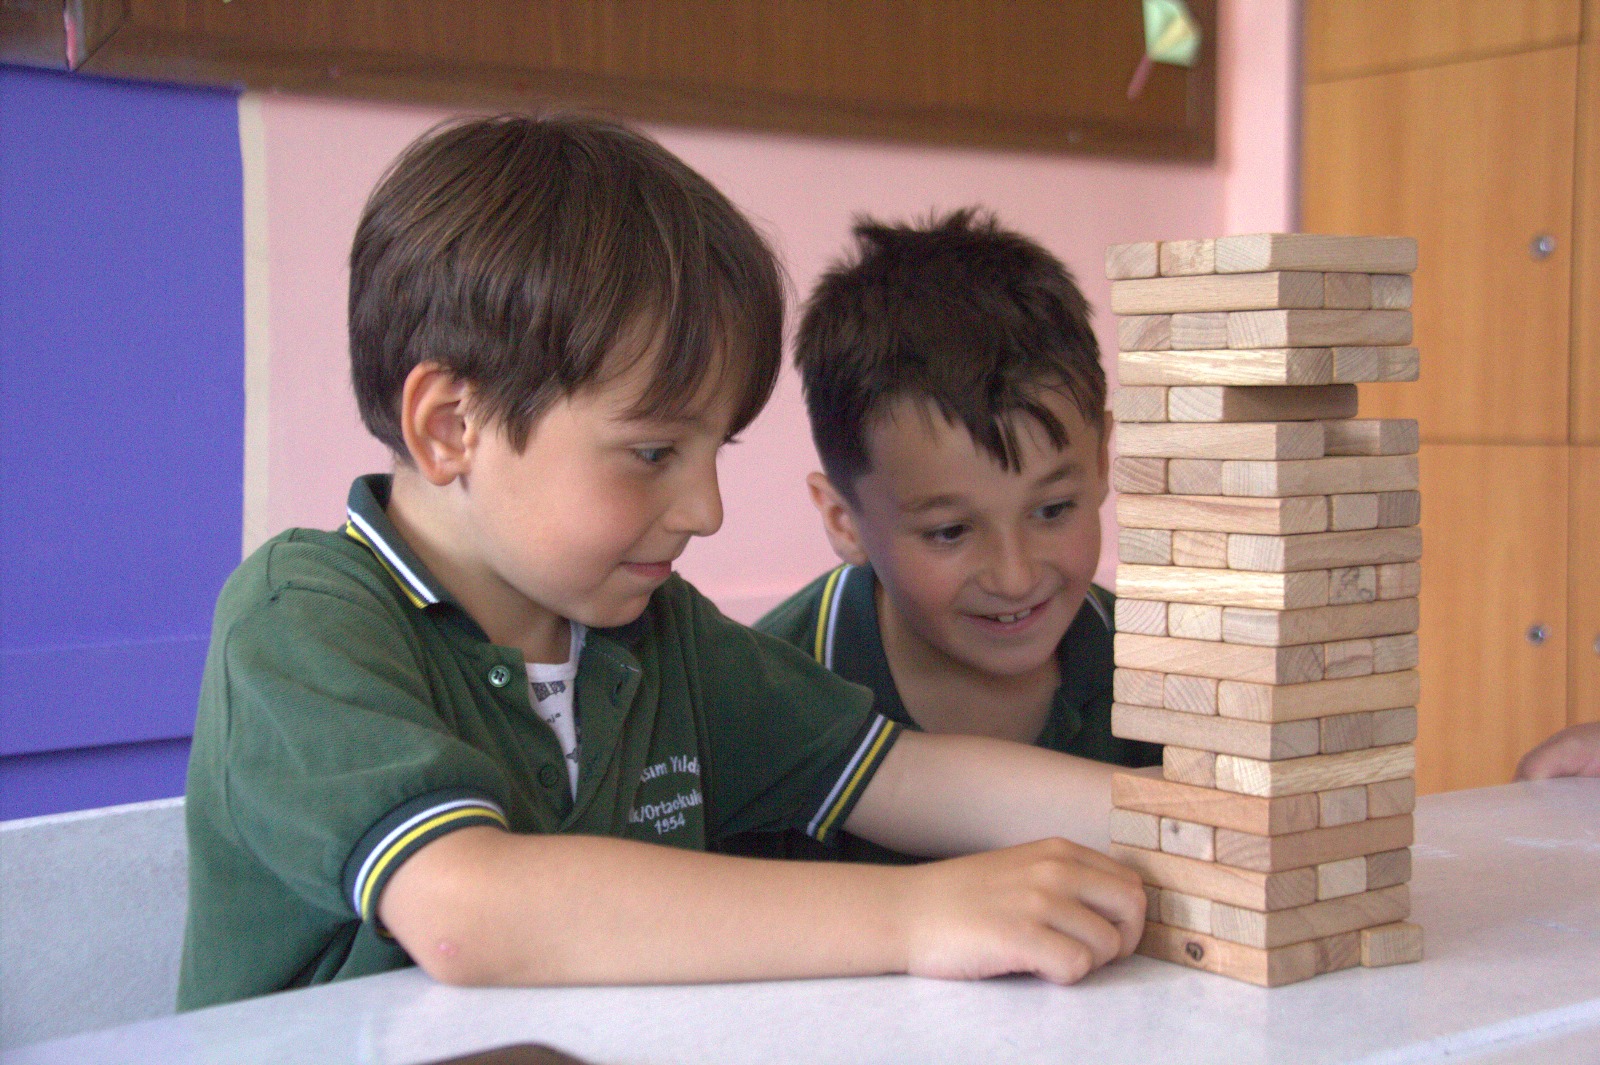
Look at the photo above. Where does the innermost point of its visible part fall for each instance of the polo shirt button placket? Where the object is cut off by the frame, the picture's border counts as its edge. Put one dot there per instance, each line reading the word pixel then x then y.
pixel 499 676
pixel 549 776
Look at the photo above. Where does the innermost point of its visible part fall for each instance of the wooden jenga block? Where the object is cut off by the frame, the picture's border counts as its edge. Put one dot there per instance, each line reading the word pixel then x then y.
pixel 1372 436
pixel 1347 658
pixel 1315 920
pixel 1137 260
pixel 1388 868
pixel 1227 440
pixel 1357 365
pixel 1147 547
pixel 1323 624
pixel 1182 911
pixel 1354 584
pixel 1225 661
pixel 1188 839
pixel 1350 512
pixel 1274 967
pixel 1347 292
pixel 1272 854
pixel 1147 792
pixel 1352 732
pixel 1321 477
pixel 1194 477
pixel 1399 508
pixel 1341 806
pixel 1398 580
pixel 1222 883
pixel 1329 550
pixel 1391 944
pixel 1321 772
pixel 1199 332
pixel 1140 687
pixel 1189 695
pixel 1314 251
pixel 1213 587
pixel 1145 332
pixel 1208 550
pixel 1261 702
pixel 1253 329
pixel 1393 653
pixel 1143 476
pixel 1336 880
pixel 1194 621
pixel 1139 403
pixel 1390 727
pixel 1391 292
pixel 1182 257
pixel 1211 292
pixel 1224 735
pixel 1267 516
pixel 1184 765
pixel 1141 616
pixel 1391 797
pixel 1134 829
pixel 1240 403
pixel 1280 365
pixel 1152 902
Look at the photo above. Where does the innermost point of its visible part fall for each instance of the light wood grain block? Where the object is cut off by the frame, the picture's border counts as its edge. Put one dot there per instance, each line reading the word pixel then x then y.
pixel 1244 366
pixel 1341 806
pixel 1199 332
pixel 1354 584
pixel 1347 292
pixel 1388 868
pixel 1329 550
pixel 1213 587
pixel 1362 365
pixel 1275 967
pixel 1184 765
pixel 1194 477
pixel 1347 658
pixel 1148 792
pixel 1391 292
pixel 1223 440
pixel 1352 732
pixel 1140 403
pixel 1399 943
pixel 1180 258
pixel 1194 621
pixel 1213 880
pixel 1210 292
pixel 1323 624
pixel 1225 661
pixel 1315 328
pixel 1135 260
pixel 1271 854
pixel 1145 547
pixel 1315 251
pixel 1260 702
pixel 1211 733
pixel 1134 829
pixel 1268 516
pixel 1399 580
pixel 1139 475
pixel 1142 616
pixel 1188 839
pixel 1152 902
pixel 1390 797
pixel 1240 403
pixel 1189 695
pixel 1182 911
pixel 1144 332
pixel 1394 726
pixel 1349 512
pixel 1372 436
pixel 1204 549
pixel 1138 686
pixel 1321 477
pixel 1321 772
pixel 1392 653
pixel 1396 509
pixel 1316 920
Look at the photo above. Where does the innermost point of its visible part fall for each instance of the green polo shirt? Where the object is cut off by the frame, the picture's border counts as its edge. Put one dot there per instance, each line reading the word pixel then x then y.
pixel 834 619
pixel 352 712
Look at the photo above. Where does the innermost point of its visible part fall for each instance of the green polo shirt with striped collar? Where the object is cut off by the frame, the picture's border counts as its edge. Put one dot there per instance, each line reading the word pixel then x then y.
pixel 352 712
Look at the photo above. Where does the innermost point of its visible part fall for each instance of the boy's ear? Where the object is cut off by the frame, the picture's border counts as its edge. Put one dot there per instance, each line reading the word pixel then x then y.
pixel 434 422
pixel 838 519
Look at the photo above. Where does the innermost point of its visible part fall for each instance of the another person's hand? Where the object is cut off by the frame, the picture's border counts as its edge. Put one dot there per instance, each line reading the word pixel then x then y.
pixel 1572 752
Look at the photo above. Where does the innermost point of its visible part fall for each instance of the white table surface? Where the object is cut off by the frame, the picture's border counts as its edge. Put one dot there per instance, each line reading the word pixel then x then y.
pixel 1506 884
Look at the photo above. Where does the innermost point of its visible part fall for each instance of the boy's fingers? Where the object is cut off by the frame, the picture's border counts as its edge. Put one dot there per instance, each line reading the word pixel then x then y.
pixel 1103 939
pixel 1061 958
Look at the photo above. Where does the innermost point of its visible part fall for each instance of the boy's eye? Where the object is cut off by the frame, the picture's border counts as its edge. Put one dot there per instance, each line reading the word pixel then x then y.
pixel 945 534
pixel 1058 509
pixel 654 455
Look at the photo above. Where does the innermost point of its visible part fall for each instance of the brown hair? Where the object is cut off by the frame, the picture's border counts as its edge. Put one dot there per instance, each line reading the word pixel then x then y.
pixel 521 253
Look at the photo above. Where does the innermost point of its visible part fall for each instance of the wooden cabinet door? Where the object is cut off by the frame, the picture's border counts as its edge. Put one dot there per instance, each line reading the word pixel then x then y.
pixel 1475 160
pixel 1586 238
pixel 1494 565
pixel 1583 589
pixel 1345 37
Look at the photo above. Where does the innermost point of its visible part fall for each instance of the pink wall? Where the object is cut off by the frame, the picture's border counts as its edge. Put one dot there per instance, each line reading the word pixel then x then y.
pixel 319 158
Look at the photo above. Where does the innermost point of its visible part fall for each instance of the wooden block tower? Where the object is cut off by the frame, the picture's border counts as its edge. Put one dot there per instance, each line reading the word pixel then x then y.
pixel 1267 600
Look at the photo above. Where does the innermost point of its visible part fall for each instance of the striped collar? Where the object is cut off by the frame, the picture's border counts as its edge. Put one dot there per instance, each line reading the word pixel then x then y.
pixel 367 524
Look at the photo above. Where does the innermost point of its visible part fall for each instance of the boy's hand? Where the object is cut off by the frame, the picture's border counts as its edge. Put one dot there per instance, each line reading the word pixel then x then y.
pixel 1572 752
pixel 1050 908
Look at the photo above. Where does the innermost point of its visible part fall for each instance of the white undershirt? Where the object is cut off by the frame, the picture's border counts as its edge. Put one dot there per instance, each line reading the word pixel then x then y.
pixel 550 688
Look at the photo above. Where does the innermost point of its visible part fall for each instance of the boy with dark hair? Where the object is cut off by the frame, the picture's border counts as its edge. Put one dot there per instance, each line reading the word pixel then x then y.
pixel 958 405
pixel 484 728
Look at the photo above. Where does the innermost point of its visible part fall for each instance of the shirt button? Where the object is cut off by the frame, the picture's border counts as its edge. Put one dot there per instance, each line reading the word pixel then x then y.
pixel 499 676
pixel 549 776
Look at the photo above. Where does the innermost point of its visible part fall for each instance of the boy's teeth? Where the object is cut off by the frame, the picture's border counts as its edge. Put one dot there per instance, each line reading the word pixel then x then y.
pixel 1009 618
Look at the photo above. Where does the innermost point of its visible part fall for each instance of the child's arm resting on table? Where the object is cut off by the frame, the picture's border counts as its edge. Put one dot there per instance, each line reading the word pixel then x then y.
pixel 484 906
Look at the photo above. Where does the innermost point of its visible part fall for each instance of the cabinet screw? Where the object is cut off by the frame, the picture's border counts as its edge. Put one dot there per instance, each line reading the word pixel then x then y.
pixel 1543 246
pixel 1538 633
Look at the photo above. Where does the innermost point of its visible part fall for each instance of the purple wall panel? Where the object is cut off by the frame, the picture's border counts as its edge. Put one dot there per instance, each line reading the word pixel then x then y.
pixel 121 424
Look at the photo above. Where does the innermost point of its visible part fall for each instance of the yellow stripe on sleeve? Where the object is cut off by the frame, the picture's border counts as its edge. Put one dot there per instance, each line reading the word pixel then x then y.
pixel 375 877
pixel 843 801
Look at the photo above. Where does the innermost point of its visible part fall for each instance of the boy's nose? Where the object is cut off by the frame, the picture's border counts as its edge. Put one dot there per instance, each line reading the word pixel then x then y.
pixel 1011 573
pixel 697 510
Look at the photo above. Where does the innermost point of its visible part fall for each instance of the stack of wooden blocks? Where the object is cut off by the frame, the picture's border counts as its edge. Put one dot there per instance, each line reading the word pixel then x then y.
pixel 1267 600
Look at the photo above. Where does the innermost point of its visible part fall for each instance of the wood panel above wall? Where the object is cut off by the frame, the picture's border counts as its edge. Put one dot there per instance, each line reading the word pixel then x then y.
pixel 1032 74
